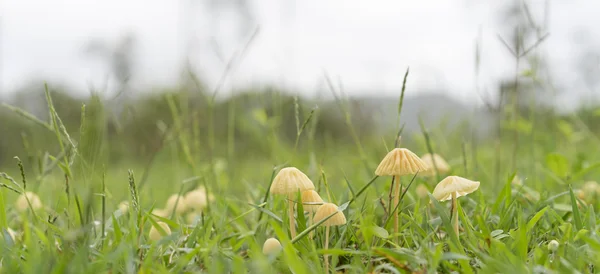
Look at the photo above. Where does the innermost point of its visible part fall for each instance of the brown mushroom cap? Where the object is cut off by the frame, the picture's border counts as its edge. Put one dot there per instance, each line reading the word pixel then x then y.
pixel 311 196
pixel 290 180
pixel 440 163
pixel 400 161
pixel 454 184
pixel 327 209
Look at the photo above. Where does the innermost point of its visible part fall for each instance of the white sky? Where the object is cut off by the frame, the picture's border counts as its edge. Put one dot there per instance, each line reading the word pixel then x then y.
pixel 367 44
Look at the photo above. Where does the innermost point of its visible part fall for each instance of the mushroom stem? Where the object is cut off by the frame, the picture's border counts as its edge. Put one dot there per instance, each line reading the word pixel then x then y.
pixel 310 222
pixel 455 214
pixel 292 221
pixel 326 257
pixel 395 204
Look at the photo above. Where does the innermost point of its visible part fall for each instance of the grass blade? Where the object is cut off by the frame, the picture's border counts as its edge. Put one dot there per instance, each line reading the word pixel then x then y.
pixel 576 215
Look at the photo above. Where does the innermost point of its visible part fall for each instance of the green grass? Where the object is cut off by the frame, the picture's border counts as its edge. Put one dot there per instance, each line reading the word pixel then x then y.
pixel 505 226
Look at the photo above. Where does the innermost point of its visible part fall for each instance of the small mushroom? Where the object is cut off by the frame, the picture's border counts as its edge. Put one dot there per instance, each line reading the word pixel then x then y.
pixel 422 191
pixel 288 182
pixel 451 188
pixel 338 219
pixel 271 246
pixel 22 203
pixel 311 201
pixel 399 162
pixel 156 234
pixel 176 202
pixel 553 246
pixel 435 161
pixel 124 207
pixel 196 200
pixel 161 212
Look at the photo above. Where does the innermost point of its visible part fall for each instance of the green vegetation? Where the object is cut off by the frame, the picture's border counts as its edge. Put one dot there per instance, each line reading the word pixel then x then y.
pixel 535 210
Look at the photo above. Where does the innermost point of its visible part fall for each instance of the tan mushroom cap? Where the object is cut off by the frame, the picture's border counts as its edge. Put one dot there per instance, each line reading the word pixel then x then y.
pixel 196 200
pixel 178 200
pixel 21 203
pixel 311 196
pixel 440 163
pixel 422 191
pixel 400 161
pixel 124 206
pixel 271 246
pixel 290 180
pixel 327 209
pixel 161 212
pixel 454 184
pixel 154 233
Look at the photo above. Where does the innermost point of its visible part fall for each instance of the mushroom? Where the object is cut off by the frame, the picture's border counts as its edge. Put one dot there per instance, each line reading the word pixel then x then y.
pixel 271 246
pixel 196 200
pixel 337 219
pixel 553 246
pixel 124 207
pixel 422 191
pixel 25 200
pixel 311 201
pixel 399 162
pixel 288 182
pixel 176 202
pixel 156 234
pixel 435 161
pixel 451 188
pixel 163 213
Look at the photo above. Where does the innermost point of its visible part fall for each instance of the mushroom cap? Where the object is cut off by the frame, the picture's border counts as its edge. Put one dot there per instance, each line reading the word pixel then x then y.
pixel 327 209
pixel 311 196
pixel 161 212
pixel 454 184
pixel 196 200
pixel 271 246
pixel 191 217
pixel 400 161
pixel 553 245
pixel 290 180
pixel 124 206
pixel 181 206
pixel 591 187
pixel 22 205
pixel 155 233
pixel 422 191
pixel 440 163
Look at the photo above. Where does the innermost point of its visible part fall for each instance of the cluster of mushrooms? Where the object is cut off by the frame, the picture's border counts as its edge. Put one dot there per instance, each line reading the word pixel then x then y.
pixel 191 204
pixel 398 162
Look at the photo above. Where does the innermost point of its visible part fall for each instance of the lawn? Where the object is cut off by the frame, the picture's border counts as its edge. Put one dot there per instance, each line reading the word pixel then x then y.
pixel 202 203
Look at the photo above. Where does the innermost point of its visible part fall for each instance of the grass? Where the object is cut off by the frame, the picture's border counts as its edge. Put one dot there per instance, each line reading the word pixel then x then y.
pixel 505 226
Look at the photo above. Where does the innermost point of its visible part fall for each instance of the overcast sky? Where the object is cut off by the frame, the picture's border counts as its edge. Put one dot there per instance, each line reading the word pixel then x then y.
pixel 367 44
